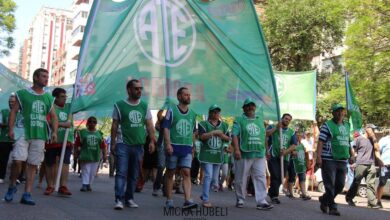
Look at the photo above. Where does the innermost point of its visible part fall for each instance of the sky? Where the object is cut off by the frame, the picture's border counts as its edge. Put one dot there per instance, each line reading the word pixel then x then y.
pixel 24 14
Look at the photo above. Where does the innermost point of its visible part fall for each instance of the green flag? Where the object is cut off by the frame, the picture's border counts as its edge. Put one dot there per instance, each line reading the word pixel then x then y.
pixel 297 93
pixel 215 48
pixel 355 116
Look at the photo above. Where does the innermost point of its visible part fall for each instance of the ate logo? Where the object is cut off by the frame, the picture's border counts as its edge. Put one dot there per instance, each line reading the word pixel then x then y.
pixel 135 117
pixel 215 143
pixel 165 32
pixel 38 107
pixel 253 129
pixel 63 116
pixel 343 130
pixel 92 140
pixel 183 127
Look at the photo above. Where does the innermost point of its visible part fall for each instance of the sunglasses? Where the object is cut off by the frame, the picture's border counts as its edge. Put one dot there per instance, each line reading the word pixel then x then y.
pixel 139 88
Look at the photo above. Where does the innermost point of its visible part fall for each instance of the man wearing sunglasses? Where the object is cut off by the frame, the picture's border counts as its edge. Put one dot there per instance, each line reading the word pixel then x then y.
pixel 132 115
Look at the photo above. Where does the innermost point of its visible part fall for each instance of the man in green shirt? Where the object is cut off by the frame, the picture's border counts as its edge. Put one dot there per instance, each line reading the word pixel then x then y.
pixel 132 116
pixel 179 127
pixel 276 150
pixel 249 154
pixel 35 104
pixel 333 153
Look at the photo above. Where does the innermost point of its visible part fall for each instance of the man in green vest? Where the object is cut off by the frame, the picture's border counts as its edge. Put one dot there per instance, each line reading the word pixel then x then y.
pixel 213 134
pixel 35 104
pixel 5 142
pixel 249 153
pixel 332 156
pixel 53 150
pixel 133 117
pixel 289 141
pixel 179 128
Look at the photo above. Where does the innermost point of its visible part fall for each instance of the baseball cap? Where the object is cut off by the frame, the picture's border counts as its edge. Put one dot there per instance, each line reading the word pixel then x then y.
pixel 337 106
pixel 214 107
pixel 248 101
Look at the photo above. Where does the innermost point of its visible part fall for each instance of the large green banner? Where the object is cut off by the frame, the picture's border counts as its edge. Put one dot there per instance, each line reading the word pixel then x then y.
pixel 297 93
pixel 215 48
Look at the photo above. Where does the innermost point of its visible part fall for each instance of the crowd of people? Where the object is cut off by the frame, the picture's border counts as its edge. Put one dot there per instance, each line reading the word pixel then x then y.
pixel 252 157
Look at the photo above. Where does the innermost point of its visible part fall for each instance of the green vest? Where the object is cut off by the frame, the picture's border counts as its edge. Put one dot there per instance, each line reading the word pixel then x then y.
pixel 34 109
pixel 287 135
pixel 340 139
pixel 132 121
pixel 90 145
pixel 252 134
pixel 299 160
pixel 4 130
pixel 212 149
pixel 63 114
pixel 182 127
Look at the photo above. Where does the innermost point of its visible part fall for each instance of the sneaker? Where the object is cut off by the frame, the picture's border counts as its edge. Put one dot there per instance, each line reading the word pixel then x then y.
pixel 380 205
pixel 9 196
pixel 189 204
pixel 179 191
pixel 169 204
pixel 1 180
pixel 323 207
pixel 131 204
pixel 207 204
pixel 27 199
pixel 118 205
pixel 305 197
pixel 240 204
pixel 264 206
pixel 155 192
pixel 275 200
pixel 63 190
pixel 350 202
pixel 376 206
pixel 49 190
pixel 89 189
pixel 334 212
pixel 84 188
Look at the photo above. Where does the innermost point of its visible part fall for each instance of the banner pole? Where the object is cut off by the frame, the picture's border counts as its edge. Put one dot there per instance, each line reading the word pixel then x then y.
pixel 281 156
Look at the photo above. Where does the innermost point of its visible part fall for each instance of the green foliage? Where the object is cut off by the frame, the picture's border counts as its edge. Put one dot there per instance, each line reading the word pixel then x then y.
pixel 331 89
pixel 368 58
pixel 298 30
pixel 7 26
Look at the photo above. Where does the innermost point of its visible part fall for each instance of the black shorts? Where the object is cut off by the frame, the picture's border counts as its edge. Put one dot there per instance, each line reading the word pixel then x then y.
pixel 52 153
pixel 383 179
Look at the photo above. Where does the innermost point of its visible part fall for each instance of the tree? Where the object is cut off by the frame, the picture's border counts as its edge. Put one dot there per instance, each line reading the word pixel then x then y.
pixel 368 57
pixel 298 30
pixel 7 26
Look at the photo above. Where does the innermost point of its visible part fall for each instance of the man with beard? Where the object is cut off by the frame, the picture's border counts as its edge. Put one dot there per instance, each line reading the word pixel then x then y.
pixel 276 150
pixel 35 104
pixel 333 152
pixel 132 115
pixel 179 127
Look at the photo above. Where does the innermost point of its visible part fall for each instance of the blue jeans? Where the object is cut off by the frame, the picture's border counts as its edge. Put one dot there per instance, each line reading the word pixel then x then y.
pixel 333 175
pixel 128 166
pixel 210 171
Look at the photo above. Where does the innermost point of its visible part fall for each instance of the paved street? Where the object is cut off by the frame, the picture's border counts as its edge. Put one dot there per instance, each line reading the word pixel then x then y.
pixel 99 205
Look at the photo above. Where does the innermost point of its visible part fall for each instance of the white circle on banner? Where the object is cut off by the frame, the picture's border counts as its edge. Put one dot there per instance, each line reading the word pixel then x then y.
pixel 173 28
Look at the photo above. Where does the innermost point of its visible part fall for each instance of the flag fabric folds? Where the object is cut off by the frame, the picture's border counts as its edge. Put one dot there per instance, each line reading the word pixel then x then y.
pixel 355 116
pixel 215 48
